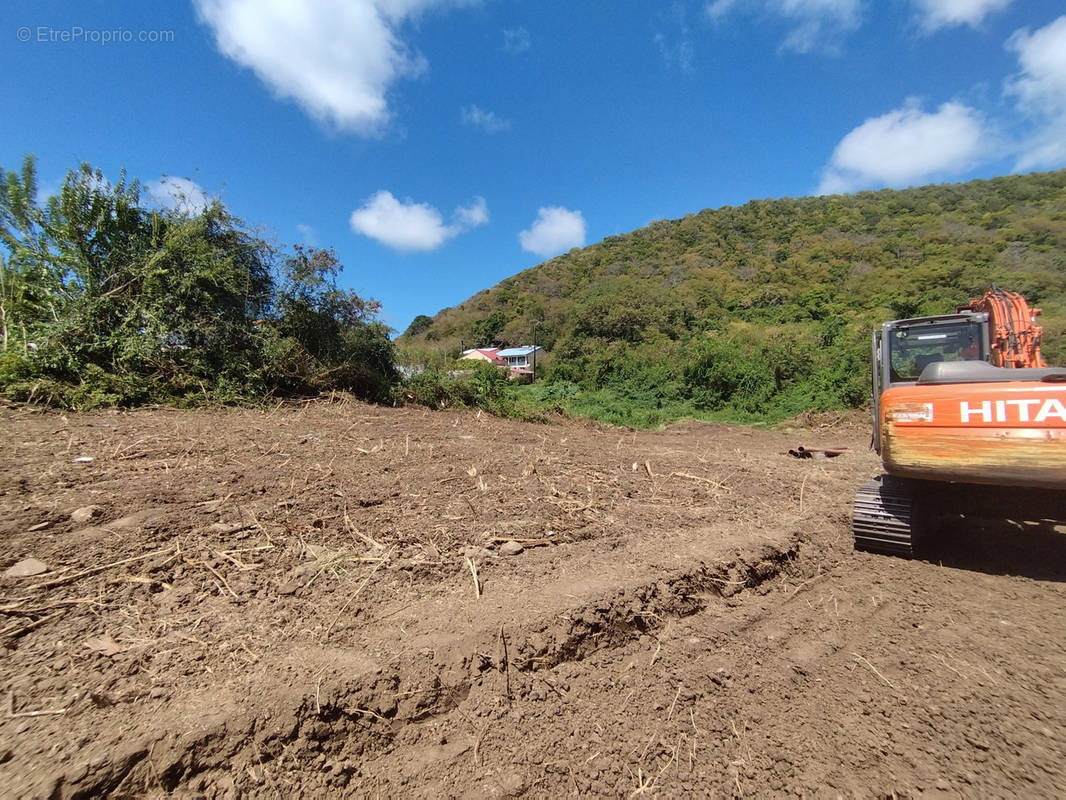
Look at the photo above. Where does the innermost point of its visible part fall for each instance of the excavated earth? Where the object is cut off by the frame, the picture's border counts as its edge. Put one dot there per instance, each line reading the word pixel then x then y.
pixel 335 599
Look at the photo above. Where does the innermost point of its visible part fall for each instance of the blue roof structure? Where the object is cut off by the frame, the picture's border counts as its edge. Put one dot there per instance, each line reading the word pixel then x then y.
pixel 525 350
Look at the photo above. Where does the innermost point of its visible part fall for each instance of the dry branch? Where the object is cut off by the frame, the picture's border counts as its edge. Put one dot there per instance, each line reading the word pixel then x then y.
pixel 473 571
pixel 218 575
pixel 15 631
pixel 874 670
pixel 525 542
pixel 43 713
pixel 505 666
pixel 17 609
pixel 355 594
pixel 365 537
pixel 86 573
pixel 692 477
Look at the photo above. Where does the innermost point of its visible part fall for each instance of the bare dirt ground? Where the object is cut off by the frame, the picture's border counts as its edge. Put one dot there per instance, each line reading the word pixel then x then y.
pixel 316 601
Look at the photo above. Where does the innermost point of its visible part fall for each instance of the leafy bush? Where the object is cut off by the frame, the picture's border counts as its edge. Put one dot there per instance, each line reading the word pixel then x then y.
pixel 127 305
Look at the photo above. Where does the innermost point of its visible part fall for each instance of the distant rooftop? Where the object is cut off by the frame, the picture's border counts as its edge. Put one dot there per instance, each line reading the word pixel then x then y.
pixel 524 350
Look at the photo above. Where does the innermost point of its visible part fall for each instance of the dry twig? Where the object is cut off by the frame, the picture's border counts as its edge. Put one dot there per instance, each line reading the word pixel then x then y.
pixel 874 670
pixel 473 571
pixel 15 631
pixel 505 666
pixel 218 575
pixel 692 477
pixel 86 573
pixel 355 594
pixel 42 713
pixel 365 537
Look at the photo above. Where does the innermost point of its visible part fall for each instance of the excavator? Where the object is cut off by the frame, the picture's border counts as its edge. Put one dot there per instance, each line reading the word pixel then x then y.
pixel 964 406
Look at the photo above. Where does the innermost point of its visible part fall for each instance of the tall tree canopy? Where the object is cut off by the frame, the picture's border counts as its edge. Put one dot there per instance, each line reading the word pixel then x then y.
pixel 104 299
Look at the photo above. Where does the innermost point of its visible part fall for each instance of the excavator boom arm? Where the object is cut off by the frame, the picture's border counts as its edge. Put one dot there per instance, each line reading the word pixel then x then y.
pixel 1014 334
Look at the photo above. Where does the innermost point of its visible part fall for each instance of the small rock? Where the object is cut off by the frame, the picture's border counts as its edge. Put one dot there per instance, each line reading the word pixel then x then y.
pixel 80 516
pixel 511 548
pixel 317 552
pixel 225 527
pixel 91 533
pixel 26 568
pixel 137 519
pixel 104 645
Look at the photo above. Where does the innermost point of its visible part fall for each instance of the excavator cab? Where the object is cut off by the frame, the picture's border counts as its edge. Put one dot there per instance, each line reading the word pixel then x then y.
pixel 903 348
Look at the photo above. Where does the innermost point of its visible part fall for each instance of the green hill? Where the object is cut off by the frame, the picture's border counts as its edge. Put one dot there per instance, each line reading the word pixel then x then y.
pixel 765 309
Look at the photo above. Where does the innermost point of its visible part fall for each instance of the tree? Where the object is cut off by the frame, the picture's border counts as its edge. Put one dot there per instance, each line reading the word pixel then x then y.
pixel 419 324
pixel 128 304
pixel 27 277
pixel 486 331
pixel 329 337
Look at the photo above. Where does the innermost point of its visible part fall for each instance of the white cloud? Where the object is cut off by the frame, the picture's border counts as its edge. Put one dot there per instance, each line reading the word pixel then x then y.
pixel 936 14
pixel 906 146
pixel 554 231
pixel 1044 149
pixel 488 121
pixel 720 8
pixel 813 24
pixel 1040 89
pixel 516 41
pixel 413 227
pixel 472 216
pixel 674 39
pixel 336 58
pixel 179 194
pixel 307 235
pixel 1042 55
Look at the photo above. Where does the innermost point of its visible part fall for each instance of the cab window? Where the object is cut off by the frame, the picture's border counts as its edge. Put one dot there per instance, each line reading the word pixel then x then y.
pixel 913 348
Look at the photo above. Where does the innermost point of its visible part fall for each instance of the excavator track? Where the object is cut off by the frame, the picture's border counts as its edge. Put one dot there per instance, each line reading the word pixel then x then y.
pixel 881 519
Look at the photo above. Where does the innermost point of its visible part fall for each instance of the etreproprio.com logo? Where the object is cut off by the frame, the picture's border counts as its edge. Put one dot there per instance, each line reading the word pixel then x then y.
pixel 76 34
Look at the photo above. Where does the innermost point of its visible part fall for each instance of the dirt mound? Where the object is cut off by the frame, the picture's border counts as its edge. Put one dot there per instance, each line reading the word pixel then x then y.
pixel 337 599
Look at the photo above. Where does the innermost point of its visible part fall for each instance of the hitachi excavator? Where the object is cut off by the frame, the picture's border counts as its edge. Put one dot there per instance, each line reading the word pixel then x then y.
pixel 961 402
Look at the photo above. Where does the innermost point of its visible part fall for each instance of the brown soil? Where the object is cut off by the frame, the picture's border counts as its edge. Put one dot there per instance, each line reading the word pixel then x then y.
pixel 283 604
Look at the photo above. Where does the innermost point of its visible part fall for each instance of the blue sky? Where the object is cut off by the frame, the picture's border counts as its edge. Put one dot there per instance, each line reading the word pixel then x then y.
pixel 441 145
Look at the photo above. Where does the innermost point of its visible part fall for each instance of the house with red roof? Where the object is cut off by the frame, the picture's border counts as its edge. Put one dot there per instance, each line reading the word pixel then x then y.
pixel 489 354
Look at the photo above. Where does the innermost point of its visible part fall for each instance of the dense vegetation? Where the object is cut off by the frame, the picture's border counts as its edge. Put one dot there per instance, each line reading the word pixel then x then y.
pixel 105 300
pixel 763 310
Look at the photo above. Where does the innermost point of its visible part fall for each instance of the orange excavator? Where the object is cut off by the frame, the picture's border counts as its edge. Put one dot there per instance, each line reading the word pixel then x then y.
pixel 964 401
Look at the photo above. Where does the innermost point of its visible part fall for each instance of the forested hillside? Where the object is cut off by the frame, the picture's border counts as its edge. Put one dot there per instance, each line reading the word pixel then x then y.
pixel 765 309
pixel 761 311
